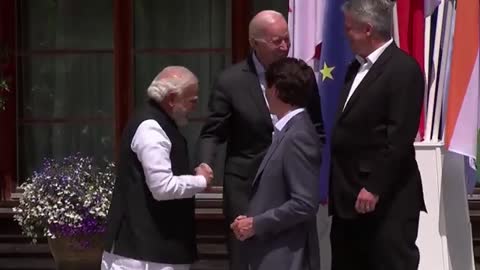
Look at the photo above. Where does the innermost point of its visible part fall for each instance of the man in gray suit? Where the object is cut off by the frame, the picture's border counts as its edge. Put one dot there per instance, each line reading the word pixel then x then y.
pixel 279 228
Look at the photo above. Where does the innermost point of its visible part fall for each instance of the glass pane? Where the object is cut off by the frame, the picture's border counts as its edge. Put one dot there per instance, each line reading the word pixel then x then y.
pixel 182 24
pixel 36 142
pixel 67 86
pixel 205 66
pixel 280 6
pixel 54 24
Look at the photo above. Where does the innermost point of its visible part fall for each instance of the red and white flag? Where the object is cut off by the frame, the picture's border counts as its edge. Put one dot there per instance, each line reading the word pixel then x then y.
pixel 410 28
pixel 305 23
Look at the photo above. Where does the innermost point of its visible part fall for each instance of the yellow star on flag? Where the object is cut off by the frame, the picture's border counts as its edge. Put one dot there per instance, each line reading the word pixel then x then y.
pixel 326 72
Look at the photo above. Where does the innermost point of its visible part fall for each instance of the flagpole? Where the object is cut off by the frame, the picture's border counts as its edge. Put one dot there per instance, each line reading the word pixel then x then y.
pixel 434 93
pixel 396 36
pixel 443 76
pixel 426 64
pixel 291 29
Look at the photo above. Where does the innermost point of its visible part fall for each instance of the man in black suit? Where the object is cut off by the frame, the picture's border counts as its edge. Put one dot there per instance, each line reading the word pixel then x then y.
pixel 239 115
pixel 376 191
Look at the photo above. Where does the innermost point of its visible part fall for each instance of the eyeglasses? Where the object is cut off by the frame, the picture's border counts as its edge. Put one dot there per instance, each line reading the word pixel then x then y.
pixel 276 41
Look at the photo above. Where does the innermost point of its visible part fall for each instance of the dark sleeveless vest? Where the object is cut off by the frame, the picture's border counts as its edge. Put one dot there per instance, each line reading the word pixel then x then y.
pixel 140 227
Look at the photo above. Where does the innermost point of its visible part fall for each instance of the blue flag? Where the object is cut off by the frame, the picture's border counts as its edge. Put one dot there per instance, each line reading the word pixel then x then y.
pixel 334 60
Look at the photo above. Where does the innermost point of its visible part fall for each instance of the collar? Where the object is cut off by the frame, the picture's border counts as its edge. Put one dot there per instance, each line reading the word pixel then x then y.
pixel 373 57
pixel 284 120
pixel 258 66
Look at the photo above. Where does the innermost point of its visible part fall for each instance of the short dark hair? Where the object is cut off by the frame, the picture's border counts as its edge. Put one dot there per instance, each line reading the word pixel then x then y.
pixel 293 79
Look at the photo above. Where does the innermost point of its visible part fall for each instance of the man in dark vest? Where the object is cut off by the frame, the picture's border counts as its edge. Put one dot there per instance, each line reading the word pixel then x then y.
pixel 151 217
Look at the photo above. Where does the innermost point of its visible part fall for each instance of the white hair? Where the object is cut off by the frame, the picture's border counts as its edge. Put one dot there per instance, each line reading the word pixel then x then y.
pixel 261 21
pixel 172 79
pixel 378 13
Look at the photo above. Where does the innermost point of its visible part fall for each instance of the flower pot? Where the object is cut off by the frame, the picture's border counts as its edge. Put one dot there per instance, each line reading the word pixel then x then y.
pixel 77 253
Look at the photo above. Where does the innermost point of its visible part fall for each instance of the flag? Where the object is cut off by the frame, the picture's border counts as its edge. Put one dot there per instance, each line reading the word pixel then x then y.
pixel 430 6
pixel 446 69
pixel 305 21
pixel 334 60
pixel 306 26
pixel 463 112
pixel 411 28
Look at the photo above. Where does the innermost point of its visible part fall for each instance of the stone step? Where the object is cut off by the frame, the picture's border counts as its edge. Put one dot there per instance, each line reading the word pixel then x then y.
pixel 42 250
pixel 49 264
pixel 23 256
pixel 15 250
pixel 7 263
pixel 18 238
pixel 210 265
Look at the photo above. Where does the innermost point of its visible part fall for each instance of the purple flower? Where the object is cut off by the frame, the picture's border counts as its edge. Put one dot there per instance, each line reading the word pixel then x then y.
pixel 68 197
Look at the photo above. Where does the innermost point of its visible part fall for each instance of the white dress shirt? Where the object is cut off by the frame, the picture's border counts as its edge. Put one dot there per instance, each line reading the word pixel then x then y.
pixel 263 83
pixel 365 65
pixel 284 120
pixel 152 147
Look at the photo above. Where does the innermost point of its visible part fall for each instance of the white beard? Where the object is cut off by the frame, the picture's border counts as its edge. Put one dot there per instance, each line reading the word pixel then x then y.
pixel 179 115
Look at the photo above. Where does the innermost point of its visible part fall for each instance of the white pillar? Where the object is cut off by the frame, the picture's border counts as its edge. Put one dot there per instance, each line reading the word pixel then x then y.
pixel 444 235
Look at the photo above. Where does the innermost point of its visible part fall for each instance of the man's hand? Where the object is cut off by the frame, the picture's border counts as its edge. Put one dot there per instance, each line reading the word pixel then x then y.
pixel 243 227
pixel 207 172
pixel 366 202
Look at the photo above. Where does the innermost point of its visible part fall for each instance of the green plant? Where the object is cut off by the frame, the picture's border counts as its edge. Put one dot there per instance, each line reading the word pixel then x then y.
pixel 69 197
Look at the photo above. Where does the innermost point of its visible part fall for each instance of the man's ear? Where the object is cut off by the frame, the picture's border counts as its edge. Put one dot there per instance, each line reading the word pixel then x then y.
pixel 275 91
pixel 171 98
pixel 369 30
pixel 252 43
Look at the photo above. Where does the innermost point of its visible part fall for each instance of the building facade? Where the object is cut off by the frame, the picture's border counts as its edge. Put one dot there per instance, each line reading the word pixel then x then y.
pixel 76 70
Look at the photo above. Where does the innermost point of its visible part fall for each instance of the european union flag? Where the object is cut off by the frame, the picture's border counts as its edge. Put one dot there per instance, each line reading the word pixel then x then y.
pixel 334 59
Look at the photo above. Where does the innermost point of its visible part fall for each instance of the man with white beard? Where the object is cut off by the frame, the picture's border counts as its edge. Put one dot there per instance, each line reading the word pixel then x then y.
pixel 151 218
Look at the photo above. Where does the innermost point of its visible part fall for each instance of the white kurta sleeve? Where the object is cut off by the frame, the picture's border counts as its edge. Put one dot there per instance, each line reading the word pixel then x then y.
pixel 152 147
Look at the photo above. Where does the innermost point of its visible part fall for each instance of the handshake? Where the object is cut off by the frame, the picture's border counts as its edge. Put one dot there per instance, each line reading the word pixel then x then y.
pixel 207 172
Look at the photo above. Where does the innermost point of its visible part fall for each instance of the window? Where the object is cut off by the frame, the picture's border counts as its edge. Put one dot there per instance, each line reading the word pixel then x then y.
pixel 280 6
pixel 197 37
pixel 78 69
pixel 65 95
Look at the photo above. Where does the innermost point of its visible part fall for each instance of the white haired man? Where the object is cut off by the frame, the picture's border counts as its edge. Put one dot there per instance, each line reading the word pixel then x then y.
pixel 239 115
pixel 151 217
pixel 376 191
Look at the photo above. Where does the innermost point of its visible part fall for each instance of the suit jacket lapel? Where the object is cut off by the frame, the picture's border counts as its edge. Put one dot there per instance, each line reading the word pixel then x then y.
pixel 274 146
pixel 268 155
pixel 349 77
pixel 375 71
pixel 256 92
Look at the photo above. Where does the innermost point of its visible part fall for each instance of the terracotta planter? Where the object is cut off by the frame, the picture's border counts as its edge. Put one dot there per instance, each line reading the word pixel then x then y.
pixel 70 254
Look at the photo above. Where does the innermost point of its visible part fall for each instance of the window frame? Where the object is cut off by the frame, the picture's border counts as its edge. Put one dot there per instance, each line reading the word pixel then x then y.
pixel 123 64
